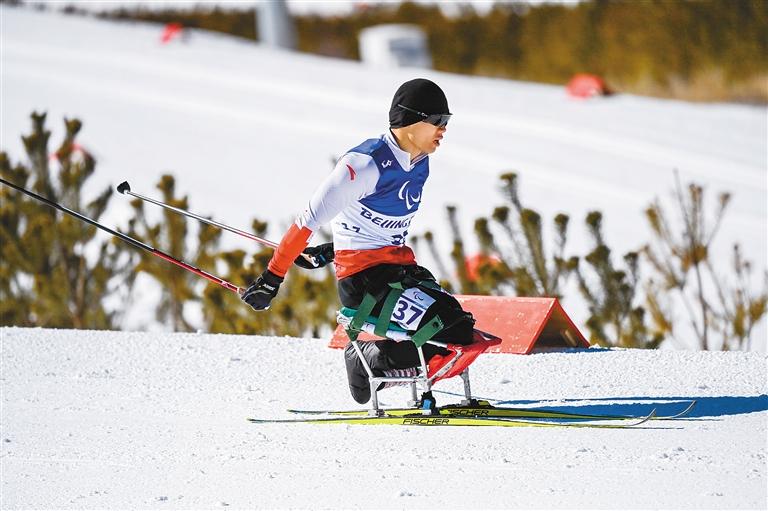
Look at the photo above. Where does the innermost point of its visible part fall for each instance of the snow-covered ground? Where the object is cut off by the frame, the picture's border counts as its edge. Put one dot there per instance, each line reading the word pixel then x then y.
pixel 135 420
pixel 250 132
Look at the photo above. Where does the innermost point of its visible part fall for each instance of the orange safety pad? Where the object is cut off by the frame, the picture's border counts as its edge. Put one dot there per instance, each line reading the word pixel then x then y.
pixel 481 342
pixel 522 323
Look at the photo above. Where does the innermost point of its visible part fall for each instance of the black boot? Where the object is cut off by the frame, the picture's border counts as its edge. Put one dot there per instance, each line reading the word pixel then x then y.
pixel 357 376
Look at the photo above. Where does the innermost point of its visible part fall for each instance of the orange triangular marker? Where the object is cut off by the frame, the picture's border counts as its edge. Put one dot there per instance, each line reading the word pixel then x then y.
pixel 524 324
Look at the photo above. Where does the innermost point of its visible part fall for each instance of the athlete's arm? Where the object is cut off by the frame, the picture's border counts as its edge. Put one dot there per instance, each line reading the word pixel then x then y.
pixel 354 177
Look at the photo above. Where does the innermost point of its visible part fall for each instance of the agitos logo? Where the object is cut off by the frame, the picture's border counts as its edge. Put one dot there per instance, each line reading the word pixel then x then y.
pixel 410 200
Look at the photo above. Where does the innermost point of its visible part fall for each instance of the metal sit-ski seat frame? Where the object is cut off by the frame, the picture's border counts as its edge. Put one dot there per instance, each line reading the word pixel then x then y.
pixel 422 379
pixel 356 321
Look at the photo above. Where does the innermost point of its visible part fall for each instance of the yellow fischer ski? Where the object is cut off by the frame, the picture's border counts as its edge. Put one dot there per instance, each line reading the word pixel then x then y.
pixel 483 409
pixel 452 420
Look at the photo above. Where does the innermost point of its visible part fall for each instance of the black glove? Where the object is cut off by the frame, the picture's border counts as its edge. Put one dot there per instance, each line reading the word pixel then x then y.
pixel 262 291
pixel 322 255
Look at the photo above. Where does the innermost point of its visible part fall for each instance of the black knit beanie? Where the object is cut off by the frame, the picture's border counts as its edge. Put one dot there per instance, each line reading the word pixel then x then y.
pixel 419 94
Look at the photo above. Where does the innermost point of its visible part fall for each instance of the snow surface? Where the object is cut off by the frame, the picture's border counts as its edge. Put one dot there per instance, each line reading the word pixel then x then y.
pixel 250 132
pixel 136 421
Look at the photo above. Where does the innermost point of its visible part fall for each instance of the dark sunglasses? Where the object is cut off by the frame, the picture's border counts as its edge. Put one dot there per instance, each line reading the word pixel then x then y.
pixel 439 120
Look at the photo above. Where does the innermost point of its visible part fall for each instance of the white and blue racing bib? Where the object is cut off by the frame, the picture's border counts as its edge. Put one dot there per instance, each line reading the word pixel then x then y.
pixel 411 307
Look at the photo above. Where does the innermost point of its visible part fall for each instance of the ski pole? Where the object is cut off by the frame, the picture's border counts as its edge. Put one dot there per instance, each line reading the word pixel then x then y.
pixel 125 237
pixel 125 188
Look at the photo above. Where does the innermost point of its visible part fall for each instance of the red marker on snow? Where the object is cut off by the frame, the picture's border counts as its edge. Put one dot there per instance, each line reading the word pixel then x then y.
pixel 171 31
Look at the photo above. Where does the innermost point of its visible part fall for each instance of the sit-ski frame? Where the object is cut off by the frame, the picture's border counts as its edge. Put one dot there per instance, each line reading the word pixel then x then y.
pixel 422 378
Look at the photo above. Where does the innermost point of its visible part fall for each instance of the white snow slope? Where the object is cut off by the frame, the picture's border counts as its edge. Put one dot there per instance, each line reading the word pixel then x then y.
pixel 250 132
pixel 94 420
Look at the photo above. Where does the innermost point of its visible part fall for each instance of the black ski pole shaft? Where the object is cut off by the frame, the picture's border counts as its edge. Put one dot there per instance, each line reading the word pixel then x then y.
pixel 125 188
pixel 126 238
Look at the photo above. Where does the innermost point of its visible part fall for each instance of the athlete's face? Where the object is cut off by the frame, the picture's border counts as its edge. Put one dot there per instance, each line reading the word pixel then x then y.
pixel 425 137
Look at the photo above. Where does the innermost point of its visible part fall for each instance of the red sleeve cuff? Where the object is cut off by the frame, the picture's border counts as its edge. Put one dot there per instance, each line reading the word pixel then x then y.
pixel 292 244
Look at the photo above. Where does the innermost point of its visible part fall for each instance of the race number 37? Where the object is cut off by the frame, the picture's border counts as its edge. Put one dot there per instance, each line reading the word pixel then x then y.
pixel 410 308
